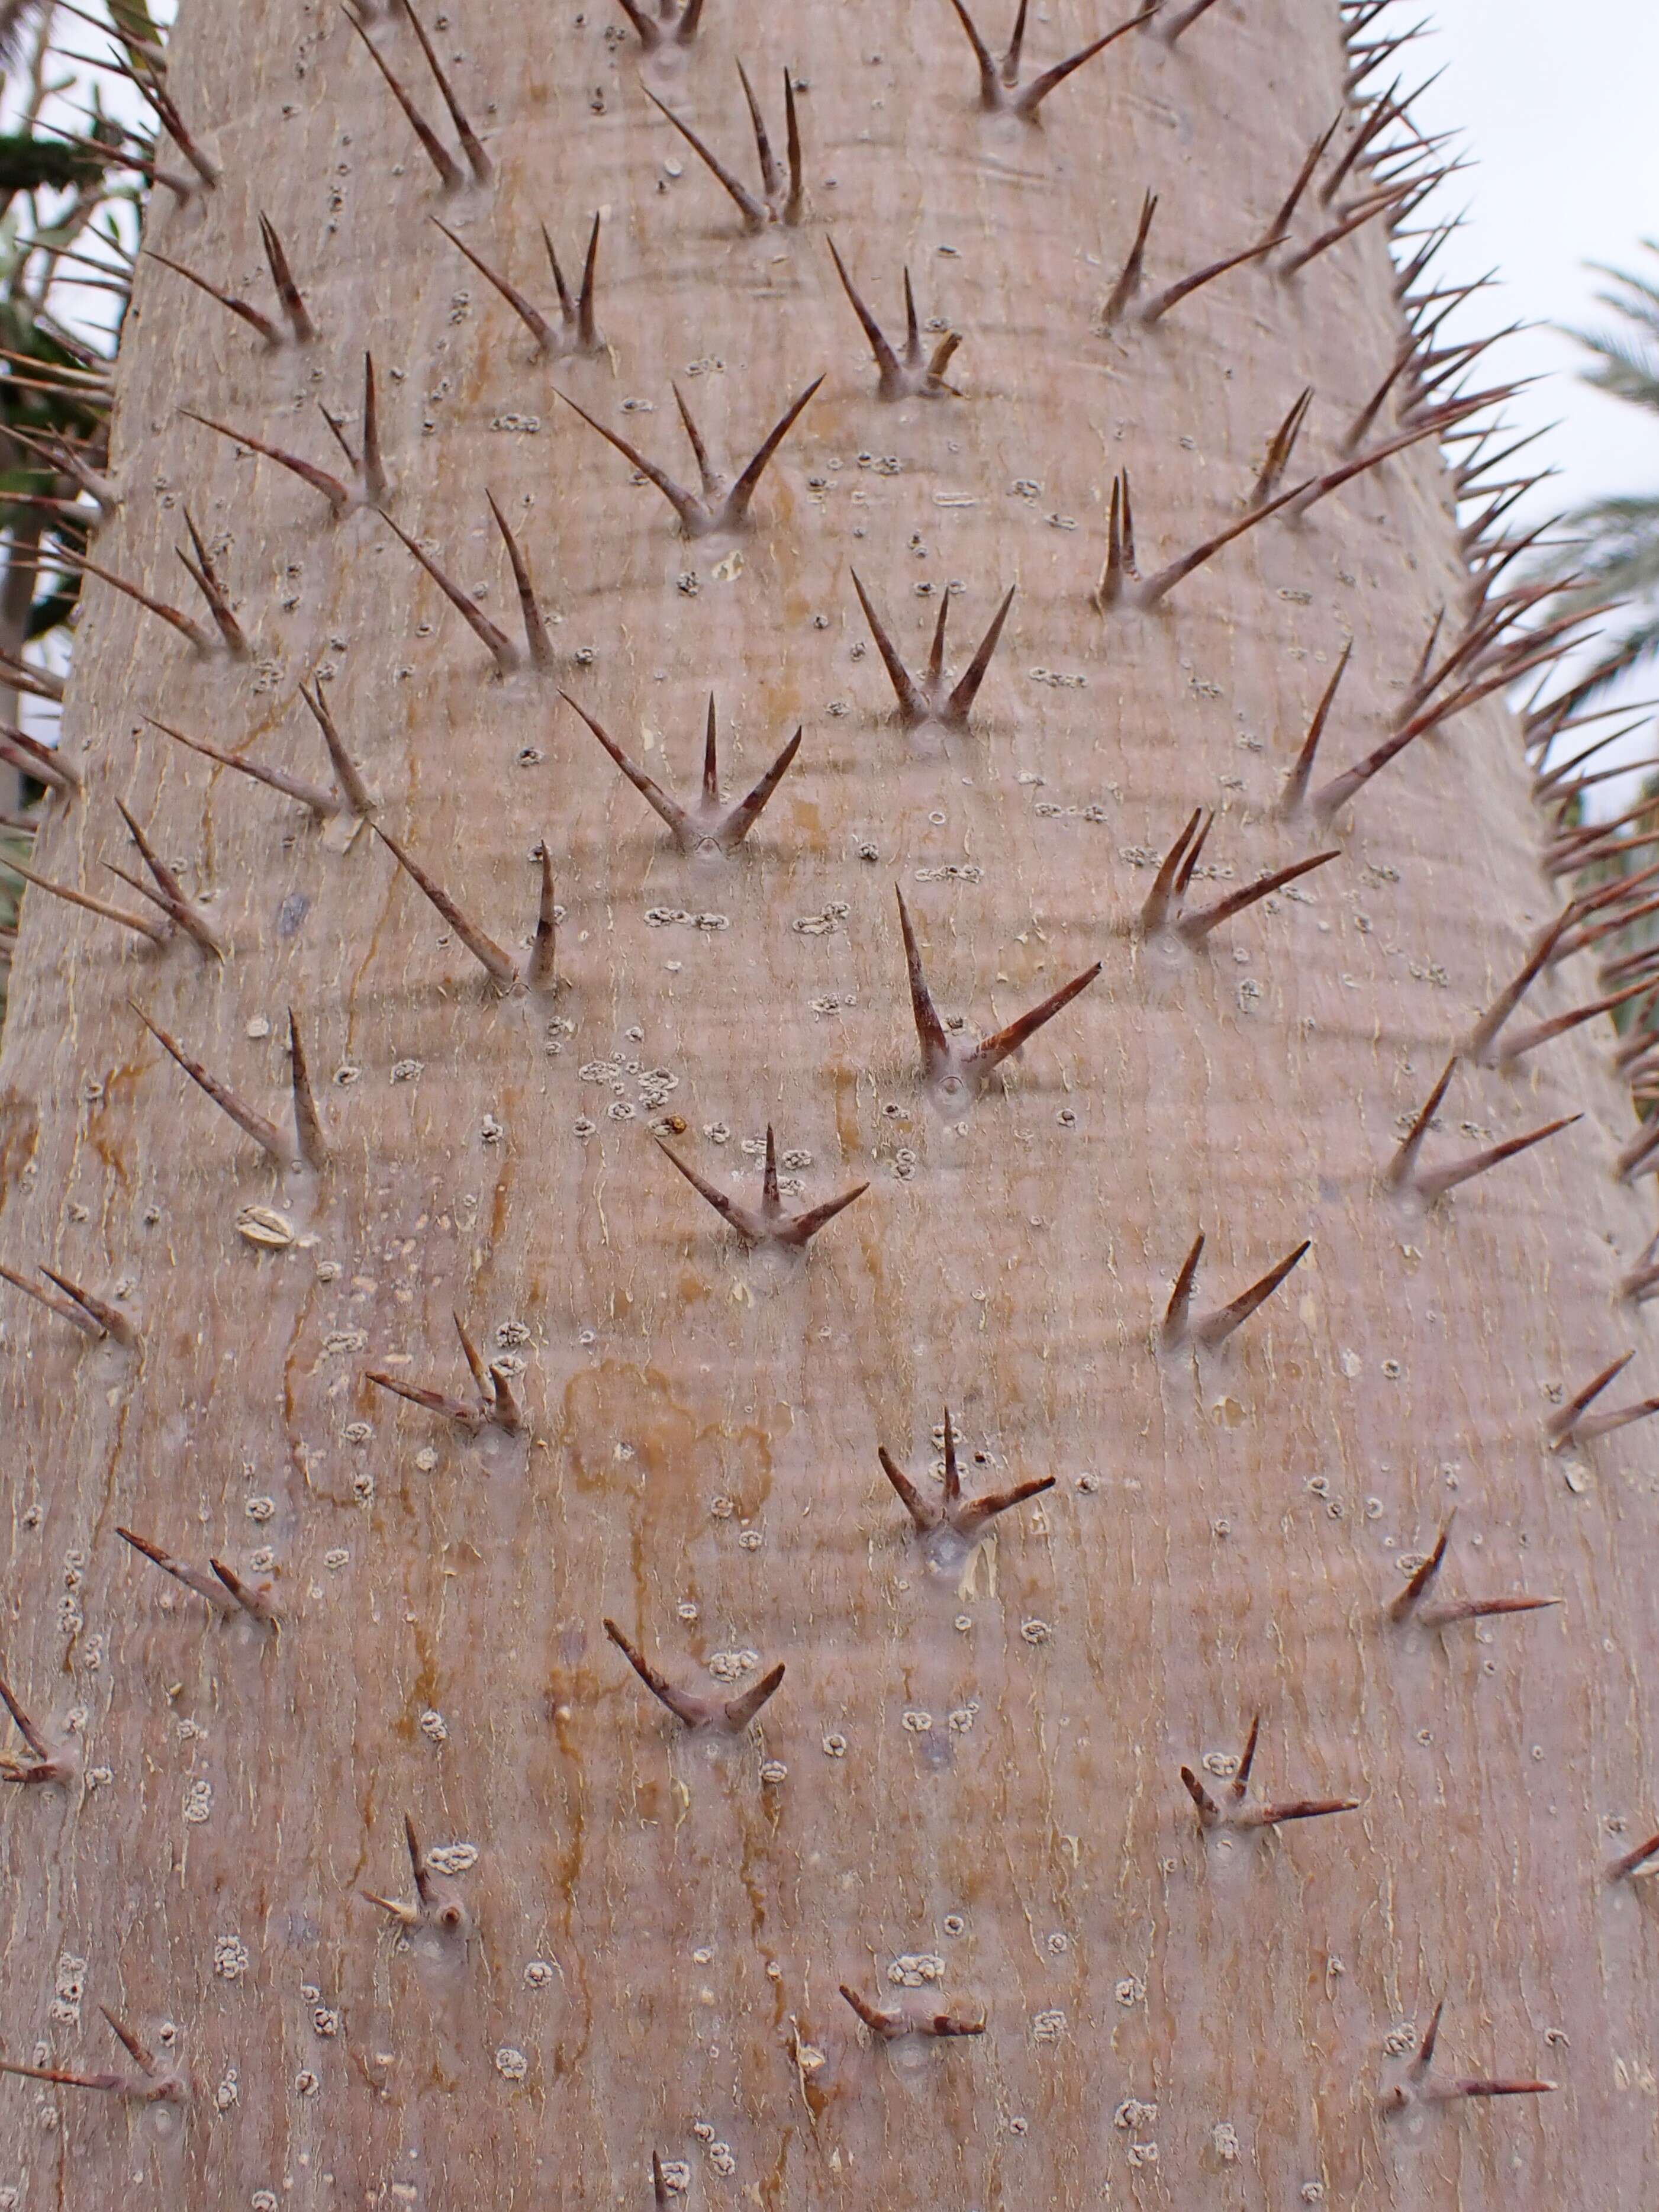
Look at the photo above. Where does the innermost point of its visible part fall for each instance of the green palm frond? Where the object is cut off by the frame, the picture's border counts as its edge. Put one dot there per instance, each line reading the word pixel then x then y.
pixel 1610 546
pixel 1628 371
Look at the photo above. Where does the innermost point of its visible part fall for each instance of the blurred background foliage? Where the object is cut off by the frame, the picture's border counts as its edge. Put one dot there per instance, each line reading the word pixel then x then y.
pixel 74 156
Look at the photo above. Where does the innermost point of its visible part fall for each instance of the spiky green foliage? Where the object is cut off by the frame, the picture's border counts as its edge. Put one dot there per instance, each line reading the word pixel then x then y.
pixel 1615 542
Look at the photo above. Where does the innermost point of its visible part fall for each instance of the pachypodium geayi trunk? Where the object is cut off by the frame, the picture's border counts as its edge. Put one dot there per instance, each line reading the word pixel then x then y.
pixel 562 1642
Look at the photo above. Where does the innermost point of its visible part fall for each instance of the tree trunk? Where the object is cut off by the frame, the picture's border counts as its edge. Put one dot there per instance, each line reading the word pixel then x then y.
pixel 965 1799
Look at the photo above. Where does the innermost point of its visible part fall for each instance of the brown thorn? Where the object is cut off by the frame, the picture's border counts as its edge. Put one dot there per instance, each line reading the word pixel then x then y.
pixel 1195 927
pixel 1281 223
pixel 1157 307
pixel 1485 1030
pixel 356 792
pixel 265 1133
pixel 167 111
pixel 1280 447
pixel 952 1479
pixel 501 970
pixel 1177 1312
pixel 253 1601
pixel 173 897
pixel 287 291
pixel 203 574
pixel 182 622
pixel 1436 1183
pixel 974 1516
pixel 1026 103
pixel 1215 1328
pixel 479 161
pixel 685 828
pixel 1404 355
pixel 171 889
pixel 707 472
pixel 794 204
pixel 913 707
pixel 192 1577
pixel 475 1360
pixel 26 1728
pixel 990 87
pixel 771 179
pixel 448 168
pixel 1300 1808
pixel 924 1518
pixel 1241 1781
pixel 725 1208
pixel 691 511
pixel 23 675
pixel 542 975
pixel 755 215
pixel 1208 1810
pixel 798 1230
pixel 676 29
pixel 1629 1864
pixel 736 507
pixel 1483 1608
pixel 1157 586
pixel 66 1309
pixel 84 899
pixel 958 706
pixel 1187 17
pixel 67 2080
pixel 418 1868
pixel 1429 427
pixel 1423 1574
pixel 261 323
pixel 883 2024
pixel 743 817
pixel 44 763
pixel 375 481
pixel 494 641
pixel 936 651
pixel 1332 797
pixel 739 1711
pixel 892 383
pixel 1622 1416
pixel 537 641
pixel 111 1321
pixel 1128 282
pixel 992 1050
pixel 1296 783
pixel 936 1055
pixel 1542 1032
pixel 659 2183
pixel 431 1401
pixel 711 771
pixel 1155 911
pixel 307 1122
pixel 533 319
pixel 1368 212
pixel 336 429
pixel 319 479
pixel 505 1410
pixel 692 1711
pixel 1483 2088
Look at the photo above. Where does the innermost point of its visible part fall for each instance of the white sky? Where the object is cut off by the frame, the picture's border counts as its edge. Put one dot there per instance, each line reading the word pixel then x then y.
pixel 1556 99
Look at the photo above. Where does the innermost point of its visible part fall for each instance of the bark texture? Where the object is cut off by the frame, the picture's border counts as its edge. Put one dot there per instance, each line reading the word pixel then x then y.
pixel 965 1797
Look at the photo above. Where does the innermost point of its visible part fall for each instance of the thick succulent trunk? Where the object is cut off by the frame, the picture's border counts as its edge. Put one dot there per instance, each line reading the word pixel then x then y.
pixel 965 1800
